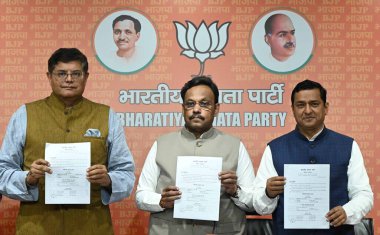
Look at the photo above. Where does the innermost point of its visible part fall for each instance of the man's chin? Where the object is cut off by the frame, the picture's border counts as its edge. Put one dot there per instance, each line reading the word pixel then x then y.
pixel 195 123
pixel 197 128
pixel 289 51
pixel 283 58
pixel 310 125
pixel 123 47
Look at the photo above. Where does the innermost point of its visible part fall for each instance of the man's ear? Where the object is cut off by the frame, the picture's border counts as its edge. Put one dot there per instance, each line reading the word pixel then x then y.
pixel 183 111
pixel 85 78
pixel 266 39
pixel 138 36
pixel 49 76
pixel 216 109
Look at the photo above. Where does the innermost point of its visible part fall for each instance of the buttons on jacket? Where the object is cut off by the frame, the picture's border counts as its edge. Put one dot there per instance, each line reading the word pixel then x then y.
pixel 199 144
pixel 312 160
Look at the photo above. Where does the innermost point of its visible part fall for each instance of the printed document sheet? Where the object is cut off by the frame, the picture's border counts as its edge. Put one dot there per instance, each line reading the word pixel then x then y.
pixel 197 179
pixel 306 196
pixel 67 184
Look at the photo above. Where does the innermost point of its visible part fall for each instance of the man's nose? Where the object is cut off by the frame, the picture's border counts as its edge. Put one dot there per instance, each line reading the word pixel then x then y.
pixel 197 108
pixel 308 109
pixel 69 78
pixel 123 35
pixel 290 37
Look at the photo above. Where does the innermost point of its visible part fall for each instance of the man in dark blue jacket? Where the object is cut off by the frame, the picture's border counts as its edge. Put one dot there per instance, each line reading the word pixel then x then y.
pixel 351 197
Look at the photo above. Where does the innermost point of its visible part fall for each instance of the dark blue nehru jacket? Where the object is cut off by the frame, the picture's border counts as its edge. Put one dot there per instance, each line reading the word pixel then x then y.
pixel 328 148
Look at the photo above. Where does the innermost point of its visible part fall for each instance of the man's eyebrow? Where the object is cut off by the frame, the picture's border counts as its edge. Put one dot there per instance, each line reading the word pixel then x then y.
pixel 309 101
pixel 284 31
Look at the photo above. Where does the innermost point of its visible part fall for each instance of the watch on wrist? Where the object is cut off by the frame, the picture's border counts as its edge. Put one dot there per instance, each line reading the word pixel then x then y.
pixel 26 180
pixel 237 192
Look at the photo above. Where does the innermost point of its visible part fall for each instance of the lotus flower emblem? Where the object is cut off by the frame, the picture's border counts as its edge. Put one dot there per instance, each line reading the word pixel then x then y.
pixel 202 43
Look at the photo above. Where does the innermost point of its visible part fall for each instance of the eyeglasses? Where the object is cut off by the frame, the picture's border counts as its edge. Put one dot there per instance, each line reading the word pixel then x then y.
pixel 75 75
pixel 204 104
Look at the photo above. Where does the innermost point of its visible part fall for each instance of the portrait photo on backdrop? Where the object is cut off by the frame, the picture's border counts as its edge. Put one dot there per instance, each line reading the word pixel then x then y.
pixel 280 36
pixel 282 41
pixel 125 42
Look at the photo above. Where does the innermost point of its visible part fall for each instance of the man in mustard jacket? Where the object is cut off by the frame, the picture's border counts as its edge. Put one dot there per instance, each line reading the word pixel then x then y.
pixel 65 117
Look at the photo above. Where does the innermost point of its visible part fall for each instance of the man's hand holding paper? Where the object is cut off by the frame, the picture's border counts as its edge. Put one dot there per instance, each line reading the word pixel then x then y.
pixel 169 195
pixel 37 170
pixel 98 174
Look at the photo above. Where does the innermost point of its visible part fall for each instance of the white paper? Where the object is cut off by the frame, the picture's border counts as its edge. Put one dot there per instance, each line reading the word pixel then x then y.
pixel 197 179
pixel 306 196
pixel 67 184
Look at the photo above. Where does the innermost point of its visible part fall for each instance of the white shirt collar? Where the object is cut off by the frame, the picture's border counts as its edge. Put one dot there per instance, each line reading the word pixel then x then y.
pixel 316 135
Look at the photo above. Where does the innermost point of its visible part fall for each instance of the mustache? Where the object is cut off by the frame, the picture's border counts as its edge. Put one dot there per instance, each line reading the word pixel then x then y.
pixel 289 45
pixel 196 116
pixel 122 40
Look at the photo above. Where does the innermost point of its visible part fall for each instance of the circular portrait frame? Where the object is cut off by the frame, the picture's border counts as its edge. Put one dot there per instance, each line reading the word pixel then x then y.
pixel 106 48
pixel 304 43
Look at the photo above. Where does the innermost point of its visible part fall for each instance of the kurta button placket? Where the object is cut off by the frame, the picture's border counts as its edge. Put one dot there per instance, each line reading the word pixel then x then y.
pixel 66 112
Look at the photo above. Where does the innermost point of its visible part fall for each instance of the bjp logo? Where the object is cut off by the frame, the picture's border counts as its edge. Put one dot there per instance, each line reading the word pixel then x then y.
pixel 202 43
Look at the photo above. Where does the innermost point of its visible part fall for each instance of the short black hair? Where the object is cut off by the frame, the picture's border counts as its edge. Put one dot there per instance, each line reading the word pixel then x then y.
pixel 269 23
pixel 309 85
pixel 136 23
pixel 200 80
pixel 66 55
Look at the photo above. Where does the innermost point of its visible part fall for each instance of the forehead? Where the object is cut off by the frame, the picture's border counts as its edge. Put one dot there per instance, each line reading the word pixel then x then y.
pixel 199 92
pixel 308 95
pixel 125 24
pixel 72 65
pixel 282 23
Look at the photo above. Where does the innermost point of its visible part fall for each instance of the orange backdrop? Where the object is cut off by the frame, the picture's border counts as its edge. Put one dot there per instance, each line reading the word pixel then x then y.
pixel 345 60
